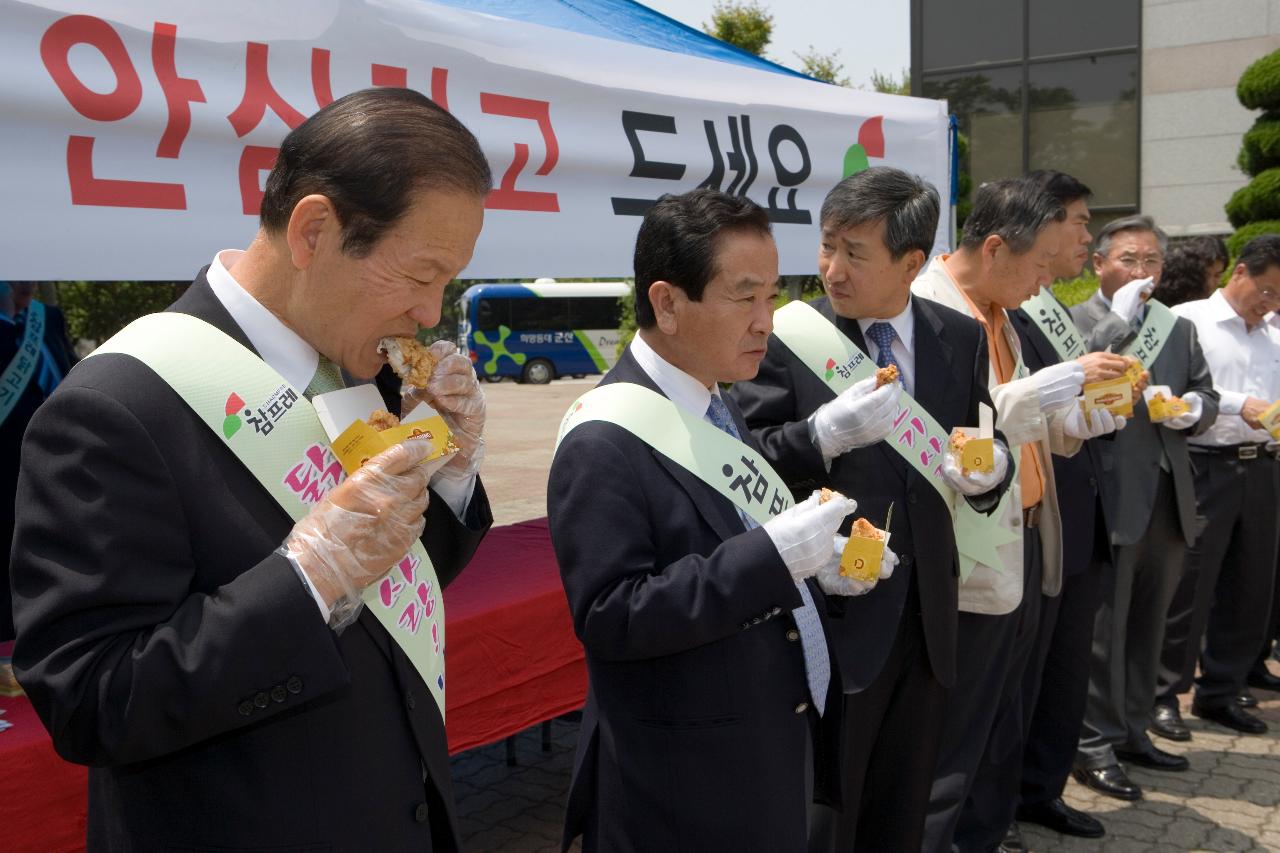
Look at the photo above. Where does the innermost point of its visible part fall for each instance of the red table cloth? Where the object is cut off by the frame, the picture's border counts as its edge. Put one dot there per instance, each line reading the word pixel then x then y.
pixel 513 661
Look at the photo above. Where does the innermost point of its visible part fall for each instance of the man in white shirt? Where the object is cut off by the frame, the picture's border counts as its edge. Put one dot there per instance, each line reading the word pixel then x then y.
pixel 1225 596
pixel 191 629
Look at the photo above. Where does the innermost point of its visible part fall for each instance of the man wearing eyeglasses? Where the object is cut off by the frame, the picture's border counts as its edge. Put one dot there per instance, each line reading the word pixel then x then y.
pixel 1151 503
pixel 1226 594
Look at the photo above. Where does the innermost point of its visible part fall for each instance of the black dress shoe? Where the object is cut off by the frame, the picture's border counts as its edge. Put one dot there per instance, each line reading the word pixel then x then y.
pixel 1166 721
pixel 1232 716
pixel 1263 680
pixel 1013 842
pixel 1110 780
pixel 1060 817
pixel 1154 759
pixel 1246 699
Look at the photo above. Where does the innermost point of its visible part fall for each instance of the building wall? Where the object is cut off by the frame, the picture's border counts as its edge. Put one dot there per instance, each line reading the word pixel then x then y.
pixel 1193 52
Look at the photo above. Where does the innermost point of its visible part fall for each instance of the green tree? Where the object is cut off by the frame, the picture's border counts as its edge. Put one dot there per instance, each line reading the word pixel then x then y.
pixel 823 66
pixel 890 85
pixel 748 26
pixel 96 310
pixel 1254 209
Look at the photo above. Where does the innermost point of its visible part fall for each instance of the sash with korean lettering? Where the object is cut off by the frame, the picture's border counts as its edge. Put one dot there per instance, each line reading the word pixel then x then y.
pixel 1055 322
pixel 916 436
pixel 1153 335
pixel 716 458
pixel 17 375
pixel 274 432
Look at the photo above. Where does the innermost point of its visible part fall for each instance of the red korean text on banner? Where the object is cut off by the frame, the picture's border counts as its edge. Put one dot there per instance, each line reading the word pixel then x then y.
pixel 506 196
pixel 120 103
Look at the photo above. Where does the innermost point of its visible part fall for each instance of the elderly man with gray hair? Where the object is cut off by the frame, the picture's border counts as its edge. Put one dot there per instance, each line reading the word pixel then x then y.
pixel 1152 504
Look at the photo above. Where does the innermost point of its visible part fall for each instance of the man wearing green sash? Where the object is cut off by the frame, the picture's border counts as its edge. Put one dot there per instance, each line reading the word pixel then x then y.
pixel 1151 504
pixel 896 643
pixel 1009 243
pixel 203 603
pixel 688 571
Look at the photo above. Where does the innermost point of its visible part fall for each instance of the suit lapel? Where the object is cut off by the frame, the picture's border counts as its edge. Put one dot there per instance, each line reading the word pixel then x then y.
pixel 717 510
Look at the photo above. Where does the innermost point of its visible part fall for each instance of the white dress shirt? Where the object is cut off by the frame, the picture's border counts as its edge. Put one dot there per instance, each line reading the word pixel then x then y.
pixel 1244 363
pixel 295 360
pixel 687 393
pixel 903 347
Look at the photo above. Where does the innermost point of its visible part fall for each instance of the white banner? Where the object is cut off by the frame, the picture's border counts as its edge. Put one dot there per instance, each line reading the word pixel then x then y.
pixel 138 133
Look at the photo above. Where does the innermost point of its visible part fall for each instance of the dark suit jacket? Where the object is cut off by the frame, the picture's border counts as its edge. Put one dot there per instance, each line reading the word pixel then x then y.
pixel 164 644
pixel 11 431
pixel 1131 463
pixel 950 382
pixel 693 738
pixel 1078 477
pixel 58 339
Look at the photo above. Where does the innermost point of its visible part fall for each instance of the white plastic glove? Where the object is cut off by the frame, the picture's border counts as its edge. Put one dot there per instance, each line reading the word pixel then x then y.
pixel 1190 418
pixel 834 583
pixel 363 527
pixel 802 534
pixel 862 415
pixel 975 482
pixel 1058 384
pixel 455 393
pixel 1128 299
pixel 1099 422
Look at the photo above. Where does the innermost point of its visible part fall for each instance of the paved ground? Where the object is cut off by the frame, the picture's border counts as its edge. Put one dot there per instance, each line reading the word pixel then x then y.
pixel 1229 800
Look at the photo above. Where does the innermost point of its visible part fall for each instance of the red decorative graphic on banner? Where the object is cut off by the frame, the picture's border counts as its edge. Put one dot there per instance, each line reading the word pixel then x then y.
pixel 871 136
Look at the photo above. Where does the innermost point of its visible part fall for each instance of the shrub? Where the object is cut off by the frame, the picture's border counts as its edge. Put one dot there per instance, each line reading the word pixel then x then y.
pixel 626 319
pixel 1259 86
pixel 1237 241
pixel 1073 291
pixel 1257 200
pixel 1260 148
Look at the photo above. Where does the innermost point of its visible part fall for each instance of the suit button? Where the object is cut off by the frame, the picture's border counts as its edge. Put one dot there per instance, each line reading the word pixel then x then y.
pixel 911 498
pixel 802 707
pixel 294 685
pixel 261 700
pixel 278 694
pixel 420 813
pixel 246 708
pixel 793 635
pixel 412 704
pixel 775 611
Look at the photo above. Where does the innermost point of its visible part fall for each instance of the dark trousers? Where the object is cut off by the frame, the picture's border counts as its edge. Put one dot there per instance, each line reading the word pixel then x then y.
pixel 892 731
pixel 1057 696
pixel 1273 624
pixel 975 785
pixel 1226 589
pixel 1128 633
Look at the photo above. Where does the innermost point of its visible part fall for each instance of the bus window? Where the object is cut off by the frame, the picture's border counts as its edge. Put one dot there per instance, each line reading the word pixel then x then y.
pixel 539 314
pixel 593 312
pixel 492 313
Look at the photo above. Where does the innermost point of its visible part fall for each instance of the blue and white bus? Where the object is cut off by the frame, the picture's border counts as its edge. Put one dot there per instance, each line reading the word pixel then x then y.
pixel 542 330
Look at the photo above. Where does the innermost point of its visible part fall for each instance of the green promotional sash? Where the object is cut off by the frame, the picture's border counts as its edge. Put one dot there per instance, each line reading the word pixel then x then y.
pixel 274 432
pixel 17 376
pixel 1056 324
pixel 713 456
pixel 1153 335
pixel 916 436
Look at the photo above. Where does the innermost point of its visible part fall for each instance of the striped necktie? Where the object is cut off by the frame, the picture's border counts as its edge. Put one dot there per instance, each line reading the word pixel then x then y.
pixel 817 663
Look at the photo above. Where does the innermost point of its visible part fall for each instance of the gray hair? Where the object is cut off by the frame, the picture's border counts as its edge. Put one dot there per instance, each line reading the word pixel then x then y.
pixel 1014 209
pixel 907 205
pixel 1102 243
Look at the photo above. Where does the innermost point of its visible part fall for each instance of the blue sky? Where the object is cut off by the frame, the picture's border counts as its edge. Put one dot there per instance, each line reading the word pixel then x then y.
pixel 871 36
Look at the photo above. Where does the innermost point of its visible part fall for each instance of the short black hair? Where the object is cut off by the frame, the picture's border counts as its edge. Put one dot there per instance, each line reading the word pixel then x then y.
pixel 907 205
pixel 1014 209
pixel 1063 187
pixel 1182 278
pixel 368 153
pixel 677 242
pixel 1260 253
pixel 1210 250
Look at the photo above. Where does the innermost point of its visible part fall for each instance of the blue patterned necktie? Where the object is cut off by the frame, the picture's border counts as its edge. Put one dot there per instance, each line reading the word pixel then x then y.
pixel 883 335
pixel 817 664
